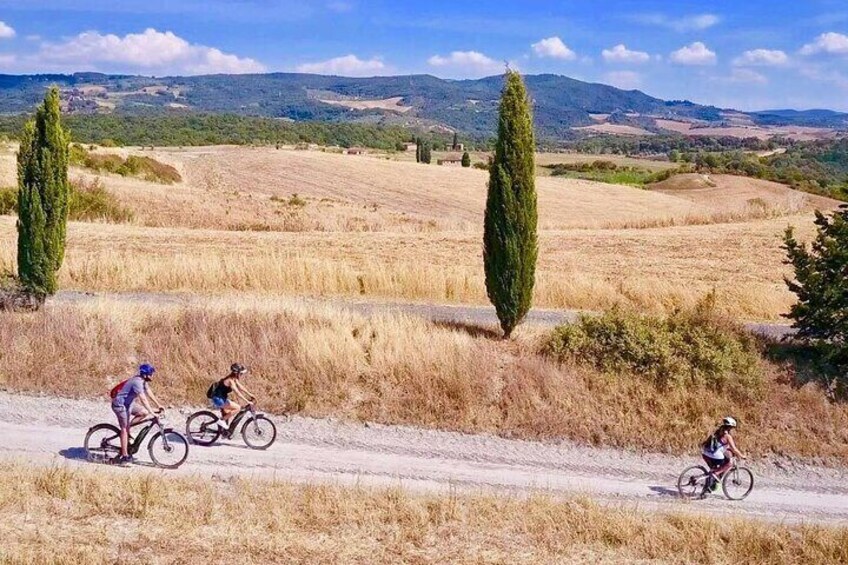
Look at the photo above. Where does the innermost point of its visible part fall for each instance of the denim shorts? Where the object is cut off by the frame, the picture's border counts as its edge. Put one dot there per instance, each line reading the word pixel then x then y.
pixel 219 402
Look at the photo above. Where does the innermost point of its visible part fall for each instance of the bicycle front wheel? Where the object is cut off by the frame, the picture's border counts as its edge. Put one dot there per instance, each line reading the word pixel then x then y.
pixel 102 443
pixel 202 428
pixel 737 483
pixel 259 432
pixel 168 449
pixel 692 481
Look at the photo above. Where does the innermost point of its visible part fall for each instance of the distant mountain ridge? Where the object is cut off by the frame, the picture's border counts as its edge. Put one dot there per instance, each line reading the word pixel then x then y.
pixel 560 103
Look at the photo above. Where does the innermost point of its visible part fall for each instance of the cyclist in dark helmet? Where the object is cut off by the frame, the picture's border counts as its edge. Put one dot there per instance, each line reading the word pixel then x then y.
pixel 131 405
pixel 219 394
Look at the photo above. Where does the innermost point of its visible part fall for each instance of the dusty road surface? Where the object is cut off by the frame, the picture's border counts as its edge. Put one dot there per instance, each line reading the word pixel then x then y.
pixel 457 314
pixel 47 430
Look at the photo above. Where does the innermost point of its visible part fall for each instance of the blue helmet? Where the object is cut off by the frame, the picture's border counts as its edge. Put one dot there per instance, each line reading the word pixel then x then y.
pixel 146 370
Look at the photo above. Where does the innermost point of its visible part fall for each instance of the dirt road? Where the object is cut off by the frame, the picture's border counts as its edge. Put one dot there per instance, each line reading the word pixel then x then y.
pixel 46 430
pixel 460 314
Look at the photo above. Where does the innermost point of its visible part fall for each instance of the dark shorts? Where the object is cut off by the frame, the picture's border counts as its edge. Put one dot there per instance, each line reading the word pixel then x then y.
pixel 219 401
pixel 714 463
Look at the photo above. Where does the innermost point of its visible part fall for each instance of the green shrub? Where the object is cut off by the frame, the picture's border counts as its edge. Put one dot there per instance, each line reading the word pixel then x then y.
pixel 686 349
pixel 8 201
pixel 90 201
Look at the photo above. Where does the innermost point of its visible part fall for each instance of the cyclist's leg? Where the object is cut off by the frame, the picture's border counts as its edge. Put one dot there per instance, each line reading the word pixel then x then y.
pixel 138 413
pixel 123 416
pixel 229 410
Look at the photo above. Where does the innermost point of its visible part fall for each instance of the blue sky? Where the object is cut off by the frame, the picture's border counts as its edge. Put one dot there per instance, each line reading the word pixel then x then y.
pixel 750 54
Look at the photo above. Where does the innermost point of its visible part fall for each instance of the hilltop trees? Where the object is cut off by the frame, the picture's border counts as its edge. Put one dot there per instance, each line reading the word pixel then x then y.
pixel 509 239
pixel 43 191
pixel 821 284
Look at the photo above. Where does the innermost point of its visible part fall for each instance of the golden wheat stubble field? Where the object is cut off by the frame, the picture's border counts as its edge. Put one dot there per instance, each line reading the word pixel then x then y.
pixel 79 517
pixel 316 223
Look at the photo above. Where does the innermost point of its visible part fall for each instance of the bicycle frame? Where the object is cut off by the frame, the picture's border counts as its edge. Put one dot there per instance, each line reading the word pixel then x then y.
pixel 136 443
pixel 239 417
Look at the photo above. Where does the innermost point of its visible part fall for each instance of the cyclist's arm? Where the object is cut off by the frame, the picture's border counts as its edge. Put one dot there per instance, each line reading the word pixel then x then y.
pixel 142 397
pixel 733 449
pixel 243 393
pixel 155 400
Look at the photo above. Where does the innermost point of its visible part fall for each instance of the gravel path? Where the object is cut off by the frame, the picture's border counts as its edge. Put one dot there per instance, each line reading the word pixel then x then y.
pixel 48 430
pixel 472 315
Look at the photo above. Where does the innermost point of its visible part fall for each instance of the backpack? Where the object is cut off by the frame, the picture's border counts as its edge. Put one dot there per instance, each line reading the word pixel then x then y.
pixel 210 392
pixel 711 444
pixel 117 388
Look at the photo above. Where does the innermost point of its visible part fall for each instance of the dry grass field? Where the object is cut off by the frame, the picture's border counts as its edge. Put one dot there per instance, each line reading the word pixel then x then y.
pixel 309 222
pixel 324 362
pixel 78 517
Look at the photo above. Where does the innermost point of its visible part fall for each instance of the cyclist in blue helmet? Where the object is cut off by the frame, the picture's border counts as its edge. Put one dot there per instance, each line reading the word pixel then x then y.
pixel 131 404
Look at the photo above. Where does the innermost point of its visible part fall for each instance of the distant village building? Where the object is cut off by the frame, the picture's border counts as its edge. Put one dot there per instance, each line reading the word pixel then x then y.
pixel 355 151
pixel 458 147
pixel 409 146
pixel 450 160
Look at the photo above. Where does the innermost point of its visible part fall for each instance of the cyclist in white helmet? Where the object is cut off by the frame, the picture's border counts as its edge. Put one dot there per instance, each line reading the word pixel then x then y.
pixel 717 449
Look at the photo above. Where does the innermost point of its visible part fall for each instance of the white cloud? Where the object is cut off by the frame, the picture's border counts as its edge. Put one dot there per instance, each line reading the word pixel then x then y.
pixel 467 62
pixel 747 76
pixel 150 51
pixel 621 54
pixel 686 23
pixel 761 58
pixel 349 65
pixel 6 31
pixel 830 43
pixel 695 54
pixel 627 80
pixel 554 48
pixel 7 60
pixel 823 75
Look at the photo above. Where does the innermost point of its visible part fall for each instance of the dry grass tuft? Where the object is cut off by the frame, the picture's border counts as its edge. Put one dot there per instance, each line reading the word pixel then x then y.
pixel 103 518
pixel 401 370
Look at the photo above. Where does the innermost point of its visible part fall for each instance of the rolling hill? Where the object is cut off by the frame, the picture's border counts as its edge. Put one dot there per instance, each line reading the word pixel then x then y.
pixel 560 103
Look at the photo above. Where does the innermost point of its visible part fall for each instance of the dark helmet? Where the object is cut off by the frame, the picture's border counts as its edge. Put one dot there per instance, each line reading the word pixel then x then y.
pixel 237 369
pixel 146 370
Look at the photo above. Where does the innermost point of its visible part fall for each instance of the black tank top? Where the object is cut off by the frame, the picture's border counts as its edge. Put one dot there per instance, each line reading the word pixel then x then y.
pixel 222 390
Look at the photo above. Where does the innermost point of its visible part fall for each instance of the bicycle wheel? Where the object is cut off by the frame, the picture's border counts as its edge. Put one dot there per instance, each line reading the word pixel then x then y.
pixel 168 449
pixel 692 481
pixel 259 432
pixel 102 443
pixel 202 428
pixel 737 483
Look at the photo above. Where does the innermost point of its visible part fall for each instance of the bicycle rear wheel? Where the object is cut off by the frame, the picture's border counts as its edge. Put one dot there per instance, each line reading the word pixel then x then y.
pixel 259 432
pixel 102 443
pixel 168 449
pixel 692 481
pixel 202 428
pixel 737 483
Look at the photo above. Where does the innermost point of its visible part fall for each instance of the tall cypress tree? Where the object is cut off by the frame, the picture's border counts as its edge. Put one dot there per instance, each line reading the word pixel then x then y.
pixel 455 142
pixel 509 234
pixel 42 197
pixel 417 149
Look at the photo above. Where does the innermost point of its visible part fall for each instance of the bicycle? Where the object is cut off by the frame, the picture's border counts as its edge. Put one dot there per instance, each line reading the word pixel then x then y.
pixel 168 448
pixel 736 483
pixel 258 431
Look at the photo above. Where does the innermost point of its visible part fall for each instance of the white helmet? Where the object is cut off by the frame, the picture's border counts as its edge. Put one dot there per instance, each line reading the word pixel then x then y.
pixel 729 422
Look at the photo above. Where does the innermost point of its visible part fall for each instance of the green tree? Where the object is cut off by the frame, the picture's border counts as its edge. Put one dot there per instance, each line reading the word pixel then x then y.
pixel 466 159
pixel 417 149
pixel 426 152
pixel 455 142
pixel 509 235
pixel 821 284
pixel 43 191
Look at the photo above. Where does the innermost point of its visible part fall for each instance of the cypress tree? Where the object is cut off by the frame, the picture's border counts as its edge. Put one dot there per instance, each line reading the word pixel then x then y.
pixel 426 156
pixel 466 159
pixel 42 198
pixel 509 233
pixel 454 146
pixel 417 149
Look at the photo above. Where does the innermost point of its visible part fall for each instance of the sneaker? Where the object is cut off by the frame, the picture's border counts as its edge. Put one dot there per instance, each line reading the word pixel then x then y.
pixel 223 426
pixel 122 460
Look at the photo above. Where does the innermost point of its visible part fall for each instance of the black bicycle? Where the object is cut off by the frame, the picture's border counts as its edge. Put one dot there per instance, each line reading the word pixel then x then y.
pixel 737 482
pixel 167 447
pixel 258 431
